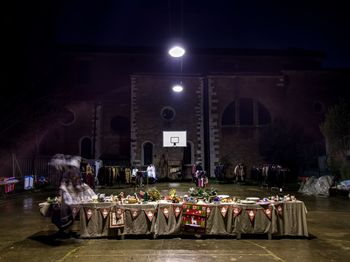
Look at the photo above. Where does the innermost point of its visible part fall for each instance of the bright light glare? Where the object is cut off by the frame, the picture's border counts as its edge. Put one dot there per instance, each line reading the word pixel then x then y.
pixel 177 88
pixel 176 51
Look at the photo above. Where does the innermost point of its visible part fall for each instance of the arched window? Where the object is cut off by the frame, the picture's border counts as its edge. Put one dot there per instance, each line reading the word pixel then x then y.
pixel 264 117
pixel 147 153
pixel 86 147
pixel 245 112
pixel 229 115
pixel 187 158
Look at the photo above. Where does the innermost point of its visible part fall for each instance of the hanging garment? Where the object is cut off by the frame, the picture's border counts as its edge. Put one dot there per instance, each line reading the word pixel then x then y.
pixel 127 175
pixel 90 180
pixel 110 177
pixel 98 165
pixel 117 175
pixel 122 175
pixel 101 176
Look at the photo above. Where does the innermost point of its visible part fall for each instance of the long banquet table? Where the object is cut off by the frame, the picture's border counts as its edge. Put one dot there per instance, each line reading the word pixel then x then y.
pixel 280 219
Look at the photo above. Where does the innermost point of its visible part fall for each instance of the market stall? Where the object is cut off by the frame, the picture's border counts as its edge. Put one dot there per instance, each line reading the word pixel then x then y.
pixel 172 215
pixel 7 184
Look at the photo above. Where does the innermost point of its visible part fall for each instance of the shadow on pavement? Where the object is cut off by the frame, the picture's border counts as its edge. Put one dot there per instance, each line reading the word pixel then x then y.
pixel 55 238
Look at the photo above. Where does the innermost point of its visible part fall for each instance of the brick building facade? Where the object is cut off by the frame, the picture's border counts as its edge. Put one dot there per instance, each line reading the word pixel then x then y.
pixel 156 108
pixel 245 106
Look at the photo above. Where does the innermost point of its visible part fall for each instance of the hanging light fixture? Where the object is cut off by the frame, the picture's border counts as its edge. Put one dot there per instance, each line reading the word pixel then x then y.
pixel 178 88
pixel 177 51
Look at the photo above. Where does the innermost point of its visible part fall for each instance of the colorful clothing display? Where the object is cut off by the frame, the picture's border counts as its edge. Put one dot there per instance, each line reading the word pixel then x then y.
pixel 9 183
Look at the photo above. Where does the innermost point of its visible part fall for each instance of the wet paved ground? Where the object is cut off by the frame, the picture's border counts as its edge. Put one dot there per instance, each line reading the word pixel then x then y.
pixel 27 236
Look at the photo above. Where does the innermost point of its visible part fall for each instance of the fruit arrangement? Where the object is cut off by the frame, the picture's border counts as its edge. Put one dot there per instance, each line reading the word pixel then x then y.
pixel 132 200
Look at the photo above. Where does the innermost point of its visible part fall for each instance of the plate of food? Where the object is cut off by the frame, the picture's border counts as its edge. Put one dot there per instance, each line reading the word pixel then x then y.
pixel 264 203
pixel 248 202
pixel 223 196
pixel 252 198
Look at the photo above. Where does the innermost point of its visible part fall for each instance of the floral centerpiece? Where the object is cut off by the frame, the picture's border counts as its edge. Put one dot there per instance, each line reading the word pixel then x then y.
pixel 202 193
pixel 154 194
pixel 172 196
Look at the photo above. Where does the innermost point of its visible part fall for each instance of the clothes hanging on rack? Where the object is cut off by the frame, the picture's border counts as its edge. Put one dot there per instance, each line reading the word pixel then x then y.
pixel 127 175
pixel 98 165
pixel 112 175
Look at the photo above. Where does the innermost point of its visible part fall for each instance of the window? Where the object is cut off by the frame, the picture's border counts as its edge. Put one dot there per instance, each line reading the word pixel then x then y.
pixel 147 153
pixel 264 117
pixel 245 112
pixel 229 115
pixel 167 113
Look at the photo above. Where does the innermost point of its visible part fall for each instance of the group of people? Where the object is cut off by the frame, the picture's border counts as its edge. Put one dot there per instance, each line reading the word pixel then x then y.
pixel 269 174
pixel 199 176
pixel 238 172
pixel 77 181
pixel 140 177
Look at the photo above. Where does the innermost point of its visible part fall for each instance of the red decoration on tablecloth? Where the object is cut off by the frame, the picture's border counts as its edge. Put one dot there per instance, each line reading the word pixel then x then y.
pixel 88 213
pixel 268 212
pixel 165 211
pixel 251 214
pixel 194 218
pixel 150 213
pixel 236 211
pixel 279 208
pixel 75 211
pixel 104 212
pixel 177 211
pixel 134 212
pixel 209 208
pixel 119 212
pixel 223 210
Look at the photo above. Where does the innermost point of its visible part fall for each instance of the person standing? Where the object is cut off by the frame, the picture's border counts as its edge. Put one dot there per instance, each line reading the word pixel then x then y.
pixel 163 167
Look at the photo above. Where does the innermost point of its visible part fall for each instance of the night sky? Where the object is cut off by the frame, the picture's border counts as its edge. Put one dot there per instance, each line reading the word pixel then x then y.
pixel 315 25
